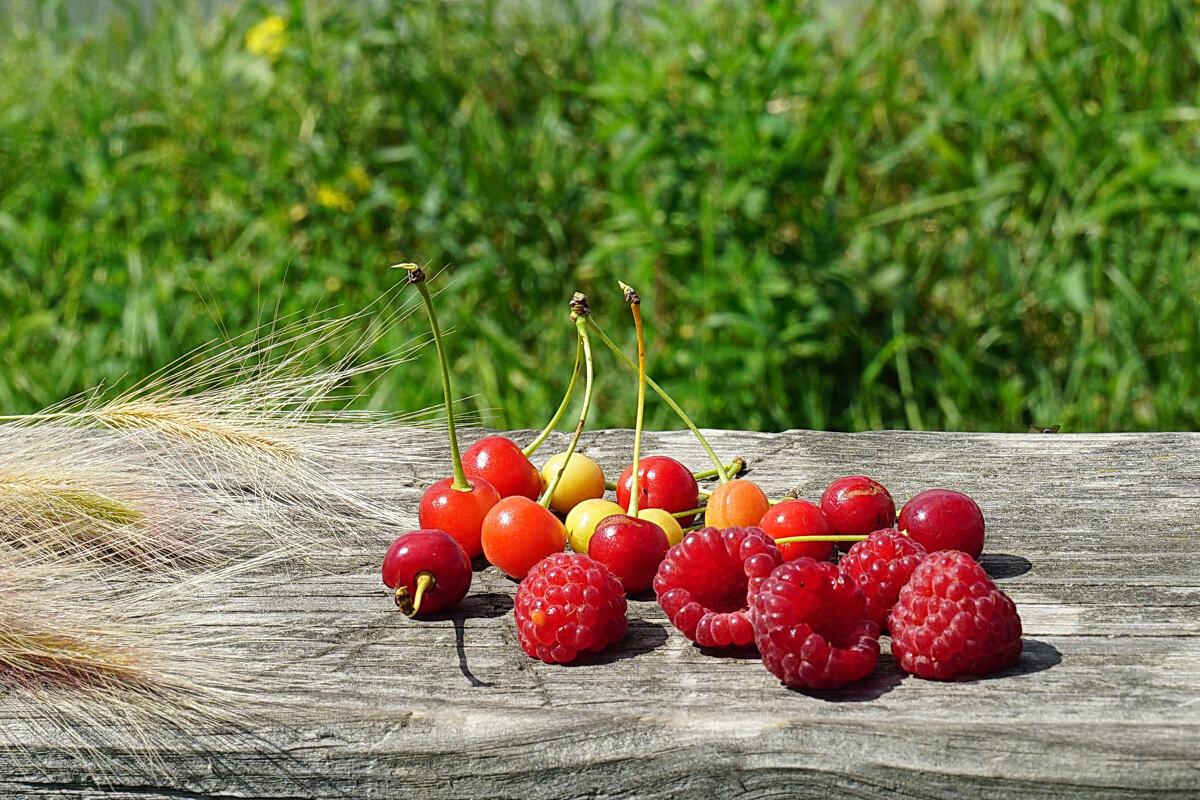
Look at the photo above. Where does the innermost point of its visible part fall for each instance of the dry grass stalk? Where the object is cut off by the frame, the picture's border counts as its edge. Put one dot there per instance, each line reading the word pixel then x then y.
pixel 188 421
pixel 79 500
pixel 239 447
pixel 99 669
pixel 240 451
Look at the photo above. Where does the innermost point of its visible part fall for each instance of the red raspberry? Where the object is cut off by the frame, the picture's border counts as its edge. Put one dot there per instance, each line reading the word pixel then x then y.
pixel 567 604
pixel 880 565
pixel 812 628
pixel 952 620
pixel 706 581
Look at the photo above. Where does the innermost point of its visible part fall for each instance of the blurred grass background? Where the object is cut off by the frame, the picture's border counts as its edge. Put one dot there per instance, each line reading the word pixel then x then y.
pixel 961 216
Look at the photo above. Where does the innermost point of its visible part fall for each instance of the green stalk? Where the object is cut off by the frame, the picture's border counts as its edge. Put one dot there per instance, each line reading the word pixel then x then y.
pixel 417 276
pixel 719 467
pixel 579 312
pixel 689 512
pixel 536 443
pixel 842 538
pixel 733 468
pixel 635 305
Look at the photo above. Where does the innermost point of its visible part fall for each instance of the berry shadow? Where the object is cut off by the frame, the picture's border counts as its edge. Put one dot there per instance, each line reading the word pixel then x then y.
pixel 885 677
pixel 641 637
pixel 735 653
pixel 1001 565
pixel 1036 656
pixel 487 605
pixel 478 606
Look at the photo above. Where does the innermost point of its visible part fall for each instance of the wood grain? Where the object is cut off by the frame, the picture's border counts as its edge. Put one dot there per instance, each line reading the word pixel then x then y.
pixel 1094 536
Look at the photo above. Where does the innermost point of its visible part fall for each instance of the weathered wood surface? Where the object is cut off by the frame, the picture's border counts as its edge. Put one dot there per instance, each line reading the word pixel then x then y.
pixel 1094 536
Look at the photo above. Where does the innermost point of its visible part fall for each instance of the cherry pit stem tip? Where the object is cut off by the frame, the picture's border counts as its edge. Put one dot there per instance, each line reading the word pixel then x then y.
pixel 411 605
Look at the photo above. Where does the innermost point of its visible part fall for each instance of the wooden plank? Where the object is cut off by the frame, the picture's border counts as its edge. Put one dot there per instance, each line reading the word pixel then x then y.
pixel 1094 536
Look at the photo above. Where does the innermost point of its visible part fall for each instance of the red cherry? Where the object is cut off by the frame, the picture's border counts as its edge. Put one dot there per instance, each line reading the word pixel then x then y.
pixel 429 571
pixel 631 548
pixel 941 519
pixel 663 483
pixel 504 466
pixel 518 533
pixel 856 505
pixel 459 514
pixel 799 518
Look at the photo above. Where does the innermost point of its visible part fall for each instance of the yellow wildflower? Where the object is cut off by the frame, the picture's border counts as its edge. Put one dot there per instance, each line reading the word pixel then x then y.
pixel 334 198
pixel 268 37
pixel 359 177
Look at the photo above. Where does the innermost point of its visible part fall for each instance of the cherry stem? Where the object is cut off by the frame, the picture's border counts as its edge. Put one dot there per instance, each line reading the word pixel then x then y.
pixel 635 305
pixel 579 312
pixel 797 539
pixel 417 276
pixel 720 468
pixel 689 512
pixel 562 407
pixel 411 606
pixel 733 468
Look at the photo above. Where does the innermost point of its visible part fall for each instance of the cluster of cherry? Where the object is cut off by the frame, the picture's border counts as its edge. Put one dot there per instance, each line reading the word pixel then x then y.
pixel 709 579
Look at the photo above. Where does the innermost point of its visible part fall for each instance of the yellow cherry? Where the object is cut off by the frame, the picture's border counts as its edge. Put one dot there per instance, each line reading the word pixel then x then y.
pixel 664 520
pixel 582 480
pixel 583 519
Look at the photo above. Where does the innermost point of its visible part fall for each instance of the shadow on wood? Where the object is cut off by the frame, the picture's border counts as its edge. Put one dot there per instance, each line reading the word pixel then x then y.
pixel 1002 565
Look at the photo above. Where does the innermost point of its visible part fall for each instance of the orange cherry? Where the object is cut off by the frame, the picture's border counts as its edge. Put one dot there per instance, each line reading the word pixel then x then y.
pixel 736 503
pixel 518 533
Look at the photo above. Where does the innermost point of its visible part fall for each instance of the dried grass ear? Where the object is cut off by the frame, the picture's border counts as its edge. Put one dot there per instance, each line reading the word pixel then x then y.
pixel 112 675
pixel 233 450
pixel 122 521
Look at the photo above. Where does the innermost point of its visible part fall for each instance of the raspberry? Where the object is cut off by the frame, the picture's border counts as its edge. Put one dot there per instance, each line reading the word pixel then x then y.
pixel 952 620
pixel 568 604
pixel 880 565
pixel 812 628
pixel 706 581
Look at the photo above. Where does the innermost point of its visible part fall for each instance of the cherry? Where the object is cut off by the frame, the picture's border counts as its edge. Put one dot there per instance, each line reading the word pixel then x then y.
pixel 428 570
pixel 663 519
pixel 632 548
pixel 663 483
pixel 856 505
pixel 498 460
pixel 458 513
pixel 941 519
pixel 798 518
pixel 582 479
pixel 455 505
pixel 582 521
pixel 518 533
pixel 736 504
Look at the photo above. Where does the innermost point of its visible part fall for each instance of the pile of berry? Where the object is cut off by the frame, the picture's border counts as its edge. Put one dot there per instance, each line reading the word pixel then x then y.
pixel 757 573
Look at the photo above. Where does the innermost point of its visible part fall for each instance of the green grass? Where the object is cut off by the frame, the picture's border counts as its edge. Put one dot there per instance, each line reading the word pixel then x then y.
pixel 961 219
